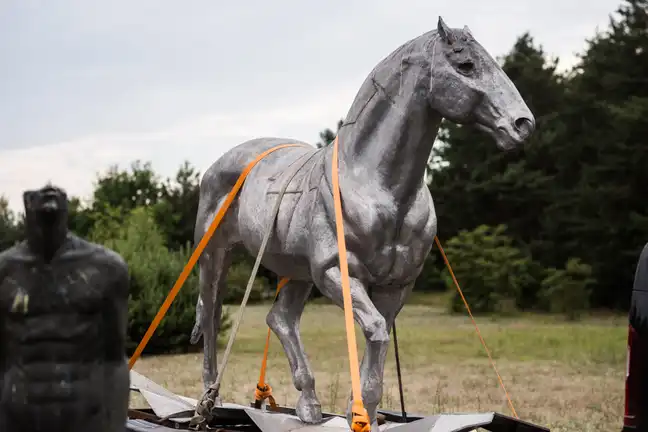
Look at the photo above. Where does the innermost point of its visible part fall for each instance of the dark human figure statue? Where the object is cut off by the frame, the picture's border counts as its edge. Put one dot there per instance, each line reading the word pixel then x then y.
pixel 63 318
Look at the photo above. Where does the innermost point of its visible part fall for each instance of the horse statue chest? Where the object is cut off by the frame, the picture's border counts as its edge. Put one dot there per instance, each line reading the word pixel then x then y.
pixel 392 240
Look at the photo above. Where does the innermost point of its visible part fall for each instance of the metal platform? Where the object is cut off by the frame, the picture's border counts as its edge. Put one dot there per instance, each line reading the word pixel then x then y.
pixel 240 418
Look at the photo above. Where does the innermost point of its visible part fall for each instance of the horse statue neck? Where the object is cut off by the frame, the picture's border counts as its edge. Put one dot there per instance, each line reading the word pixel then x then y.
pixel 390 128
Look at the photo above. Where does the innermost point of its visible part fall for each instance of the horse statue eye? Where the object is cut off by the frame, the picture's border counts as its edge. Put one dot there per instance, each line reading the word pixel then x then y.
pixel 466 67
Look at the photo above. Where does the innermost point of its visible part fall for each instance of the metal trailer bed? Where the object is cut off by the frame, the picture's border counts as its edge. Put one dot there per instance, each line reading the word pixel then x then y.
pixel 239 418
pixel 252 420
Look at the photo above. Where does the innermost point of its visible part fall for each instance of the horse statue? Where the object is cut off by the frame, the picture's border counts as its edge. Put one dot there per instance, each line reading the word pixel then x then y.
pixel 389 217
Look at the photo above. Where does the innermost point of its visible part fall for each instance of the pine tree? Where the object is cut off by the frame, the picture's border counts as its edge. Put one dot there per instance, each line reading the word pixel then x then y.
pixel 600 212
pixel 10 231
pixel 615 64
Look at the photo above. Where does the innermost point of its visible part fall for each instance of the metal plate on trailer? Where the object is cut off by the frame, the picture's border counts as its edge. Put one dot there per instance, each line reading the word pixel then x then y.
pixel 504 423
pixel 137 425
pixel 446 423
pixel 279 422
pixel 235 418
pixel 164 402
pixel 463 422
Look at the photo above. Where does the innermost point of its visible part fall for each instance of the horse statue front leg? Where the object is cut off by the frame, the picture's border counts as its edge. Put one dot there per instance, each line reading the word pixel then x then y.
pixel 388 301
pixel 374 327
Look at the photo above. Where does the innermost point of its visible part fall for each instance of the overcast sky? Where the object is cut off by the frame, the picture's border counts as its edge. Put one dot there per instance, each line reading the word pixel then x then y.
pixel 87 84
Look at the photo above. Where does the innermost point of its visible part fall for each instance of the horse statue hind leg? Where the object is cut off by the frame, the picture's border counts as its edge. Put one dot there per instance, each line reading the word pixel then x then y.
pixel 283 319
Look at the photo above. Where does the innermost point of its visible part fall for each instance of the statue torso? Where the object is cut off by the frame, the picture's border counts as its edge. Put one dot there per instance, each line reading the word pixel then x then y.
pixel 61 354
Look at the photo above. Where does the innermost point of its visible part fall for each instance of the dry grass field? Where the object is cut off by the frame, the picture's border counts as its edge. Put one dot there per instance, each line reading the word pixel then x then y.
pixel 568 376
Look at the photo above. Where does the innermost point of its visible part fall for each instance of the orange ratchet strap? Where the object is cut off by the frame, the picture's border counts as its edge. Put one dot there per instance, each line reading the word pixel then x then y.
pixel 360 418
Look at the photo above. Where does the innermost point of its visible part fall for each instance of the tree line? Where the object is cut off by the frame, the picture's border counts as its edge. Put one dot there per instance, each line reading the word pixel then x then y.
pixel 555 226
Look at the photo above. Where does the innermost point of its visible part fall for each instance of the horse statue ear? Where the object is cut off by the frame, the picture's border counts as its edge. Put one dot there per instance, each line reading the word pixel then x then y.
pixel 467 32
pixel 445 32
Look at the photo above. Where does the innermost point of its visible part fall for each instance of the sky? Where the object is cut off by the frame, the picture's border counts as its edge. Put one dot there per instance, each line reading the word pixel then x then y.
pixel 85 85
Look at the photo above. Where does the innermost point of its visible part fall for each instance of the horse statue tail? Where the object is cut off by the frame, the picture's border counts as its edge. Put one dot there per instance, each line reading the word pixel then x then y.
pixel 197 331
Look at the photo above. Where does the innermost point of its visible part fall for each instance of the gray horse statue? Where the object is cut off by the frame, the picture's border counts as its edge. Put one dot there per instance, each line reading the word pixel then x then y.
pixel 389 217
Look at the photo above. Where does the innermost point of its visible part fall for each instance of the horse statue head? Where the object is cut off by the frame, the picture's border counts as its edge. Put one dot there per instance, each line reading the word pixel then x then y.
pixel 467 86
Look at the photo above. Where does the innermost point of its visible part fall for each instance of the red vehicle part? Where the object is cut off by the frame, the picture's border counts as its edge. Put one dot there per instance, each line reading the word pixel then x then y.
pixel 635 417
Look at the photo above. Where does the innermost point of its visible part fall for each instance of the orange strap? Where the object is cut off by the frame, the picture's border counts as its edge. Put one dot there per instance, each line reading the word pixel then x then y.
pixel 360 417
pixel 198 251
pixel 263 393
pixel 447 263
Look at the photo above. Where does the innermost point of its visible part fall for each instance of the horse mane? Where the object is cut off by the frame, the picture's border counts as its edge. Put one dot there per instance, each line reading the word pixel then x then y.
pixel 405 53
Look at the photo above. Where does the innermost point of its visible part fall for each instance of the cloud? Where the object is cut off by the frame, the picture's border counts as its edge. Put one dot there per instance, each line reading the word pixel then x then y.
pixel 200 140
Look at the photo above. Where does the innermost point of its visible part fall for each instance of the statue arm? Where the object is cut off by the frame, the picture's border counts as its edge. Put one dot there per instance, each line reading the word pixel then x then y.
pixel 117 316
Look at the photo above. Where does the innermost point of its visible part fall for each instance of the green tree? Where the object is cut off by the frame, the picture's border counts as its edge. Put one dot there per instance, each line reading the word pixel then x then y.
pixel 116 190
pixel 174 202
pixel 237 279
pixel 615 63
pixel 599 213
pixel 493 274
pixel 10 228
pixel 567 290
pixel 327 135
pixel 127 190
pixel 153 271
pixel 176 211
pixel 431 278
pixel 80 218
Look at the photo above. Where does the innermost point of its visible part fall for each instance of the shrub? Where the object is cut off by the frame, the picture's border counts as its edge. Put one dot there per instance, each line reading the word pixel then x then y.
pixel 492 272
pixel 567 291
pixel 153 271
pixel 430 279
pixel 237 279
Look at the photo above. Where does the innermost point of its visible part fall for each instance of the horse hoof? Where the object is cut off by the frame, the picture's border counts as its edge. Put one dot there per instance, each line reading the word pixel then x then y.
pixel 309 410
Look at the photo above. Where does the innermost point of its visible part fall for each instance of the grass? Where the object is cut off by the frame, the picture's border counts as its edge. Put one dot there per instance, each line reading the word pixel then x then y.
pixel 567 376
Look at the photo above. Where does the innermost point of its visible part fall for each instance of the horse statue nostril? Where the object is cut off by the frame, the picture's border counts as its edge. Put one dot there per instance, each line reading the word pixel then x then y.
pixel 524 126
